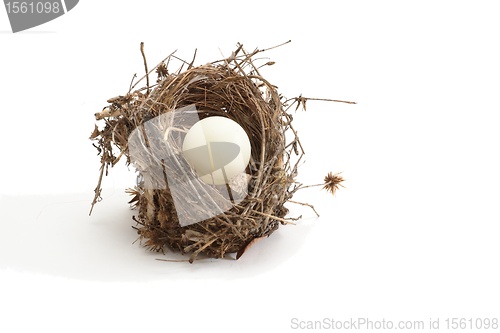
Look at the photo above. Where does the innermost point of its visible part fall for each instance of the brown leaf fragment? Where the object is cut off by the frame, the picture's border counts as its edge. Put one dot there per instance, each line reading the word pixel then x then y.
pixel 95 133
pixel 248 245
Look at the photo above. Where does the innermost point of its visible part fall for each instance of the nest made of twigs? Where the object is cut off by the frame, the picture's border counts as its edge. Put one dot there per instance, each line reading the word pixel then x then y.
pixel 232 88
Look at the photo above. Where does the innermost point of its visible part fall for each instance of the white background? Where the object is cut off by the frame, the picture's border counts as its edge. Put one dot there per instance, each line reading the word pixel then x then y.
pixel 413 236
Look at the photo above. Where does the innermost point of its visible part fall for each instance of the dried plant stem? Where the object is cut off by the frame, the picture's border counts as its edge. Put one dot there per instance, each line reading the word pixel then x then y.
pixel 273 47
pixel 305 204
pixel 192 61
pixel 285 221
pixel 131 83
pixel 147 74
pixel 327 100
pixel 308 186
pixel 145 67
pixel 98 188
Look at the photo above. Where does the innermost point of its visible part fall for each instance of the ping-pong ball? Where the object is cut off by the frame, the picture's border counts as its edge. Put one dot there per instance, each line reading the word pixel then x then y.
pixel 217 148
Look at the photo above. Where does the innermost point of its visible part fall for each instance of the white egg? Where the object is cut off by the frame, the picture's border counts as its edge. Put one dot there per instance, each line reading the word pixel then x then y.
pixel 217 148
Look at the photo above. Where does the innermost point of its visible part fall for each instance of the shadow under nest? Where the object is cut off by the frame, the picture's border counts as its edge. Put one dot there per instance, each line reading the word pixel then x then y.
pixel 232 88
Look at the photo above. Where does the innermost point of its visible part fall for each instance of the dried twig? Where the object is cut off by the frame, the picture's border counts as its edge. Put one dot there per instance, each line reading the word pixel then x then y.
pixel 145 67
pixel 97 190
pixel 305 204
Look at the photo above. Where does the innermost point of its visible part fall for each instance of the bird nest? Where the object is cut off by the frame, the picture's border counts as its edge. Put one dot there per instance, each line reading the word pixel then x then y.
pixel 176 209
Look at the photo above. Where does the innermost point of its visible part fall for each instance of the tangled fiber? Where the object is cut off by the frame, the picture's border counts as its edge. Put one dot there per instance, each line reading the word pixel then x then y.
pixel 232 88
